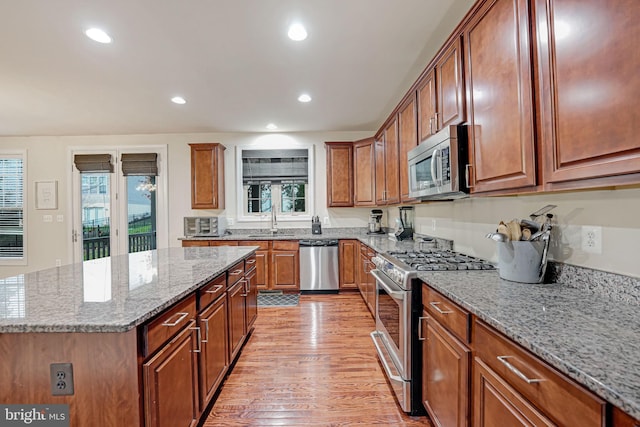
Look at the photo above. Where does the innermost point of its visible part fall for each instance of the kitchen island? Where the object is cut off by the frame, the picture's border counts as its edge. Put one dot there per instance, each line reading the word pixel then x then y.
pixel 112 318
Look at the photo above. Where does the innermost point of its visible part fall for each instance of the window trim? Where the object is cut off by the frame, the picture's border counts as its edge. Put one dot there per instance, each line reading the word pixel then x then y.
pixel 241 215
pixel 25 209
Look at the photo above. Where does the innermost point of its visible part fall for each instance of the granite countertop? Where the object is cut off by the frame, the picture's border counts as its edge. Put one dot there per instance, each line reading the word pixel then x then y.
pixel 112 294
pixel 593 339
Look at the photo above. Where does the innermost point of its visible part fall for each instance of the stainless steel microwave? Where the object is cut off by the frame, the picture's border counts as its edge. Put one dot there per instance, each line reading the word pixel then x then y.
pixel 438 166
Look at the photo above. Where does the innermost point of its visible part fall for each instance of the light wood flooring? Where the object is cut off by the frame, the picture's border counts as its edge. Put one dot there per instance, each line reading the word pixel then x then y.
pixel 310 365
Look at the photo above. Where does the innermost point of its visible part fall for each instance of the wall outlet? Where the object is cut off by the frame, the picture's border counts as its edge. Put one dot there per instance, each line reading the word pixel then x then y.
pixel 326 220
pixel 58 262
pixel 592 239
pixel 60 218
pixel 61 379
pixel 230 221
pixel 47 218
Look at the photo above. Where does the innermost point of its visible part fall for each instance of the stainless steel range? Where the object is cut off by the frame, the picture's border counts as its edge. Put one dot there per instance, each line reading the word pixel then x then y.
pixel 398 308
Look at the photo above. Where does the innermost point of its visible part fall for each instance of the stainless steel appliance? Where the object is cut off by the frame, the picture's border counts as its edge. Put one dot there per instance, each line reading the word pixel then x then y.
pixel 438 167
pixel 375 222
pixel 398 311
pixel 319 266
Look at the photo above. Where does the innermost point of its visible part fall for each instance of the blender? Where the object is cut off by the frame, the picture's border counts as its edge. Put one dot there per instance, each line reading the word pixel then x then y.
pixel 404 223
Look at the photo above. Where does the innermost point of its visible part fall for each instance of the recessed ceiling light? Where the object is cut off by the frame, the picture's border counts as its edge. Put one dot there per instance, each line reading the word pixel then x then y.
pixel 272 126
pixel 304 98
pixel 178 100
pixel 98 35
pixel 297 32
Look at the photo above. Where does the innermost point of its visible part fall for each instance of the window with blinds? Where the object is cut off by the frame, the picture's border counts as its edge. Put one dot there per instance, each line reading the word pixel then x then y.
pixel 12 298
pixel 11 206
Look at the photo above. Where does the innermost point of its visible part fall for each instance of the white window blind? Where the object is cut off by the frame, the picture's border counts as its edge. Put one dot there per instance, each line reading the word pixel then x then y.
pixel 11 206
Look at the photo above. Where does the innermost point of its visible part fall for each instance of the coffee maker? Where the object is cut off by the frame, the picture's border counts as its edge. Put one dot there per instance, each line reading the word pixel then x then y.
pixel 375 222
pixel 404 223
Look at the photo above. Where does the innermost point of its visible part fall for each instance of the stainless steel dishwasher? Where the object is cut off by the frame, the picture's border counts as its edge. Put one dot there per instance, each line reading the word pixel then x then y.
pixel 319 266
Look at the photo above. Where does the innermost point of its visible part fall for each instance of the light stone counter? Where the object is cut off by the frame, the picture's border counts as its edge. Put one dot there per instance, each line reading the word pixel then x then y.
pixel 593 339
pixel 112 294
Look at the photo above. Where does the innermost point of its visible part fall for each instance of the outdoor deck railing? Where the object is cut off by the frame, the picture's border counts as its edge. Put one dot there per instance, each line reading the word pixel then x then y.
pixel 98 247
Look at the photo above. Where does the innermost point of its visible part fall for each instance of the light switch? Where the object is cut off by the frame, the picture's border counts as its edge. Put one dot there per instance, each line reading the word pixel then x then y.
pixel 47 218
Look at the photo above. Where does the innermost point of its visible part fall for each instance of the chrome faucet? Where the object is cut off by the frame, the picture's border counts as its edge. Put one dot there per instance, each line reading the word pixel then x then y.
pixel 274 220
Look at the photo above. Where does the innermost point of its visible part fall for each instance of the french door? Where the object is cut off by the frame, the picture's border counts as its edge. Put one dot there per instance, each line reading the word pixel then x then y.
pixel 114 212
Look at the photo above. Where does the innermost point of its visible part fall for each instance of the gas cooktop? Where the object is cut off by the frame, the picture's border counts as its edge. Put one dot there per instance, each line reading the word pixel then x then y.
pixel 438 260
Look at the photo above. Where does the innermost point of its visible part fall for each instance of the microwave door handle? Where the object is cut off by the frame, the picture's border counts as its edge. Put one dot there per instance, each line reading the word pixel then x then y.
pixel 435 166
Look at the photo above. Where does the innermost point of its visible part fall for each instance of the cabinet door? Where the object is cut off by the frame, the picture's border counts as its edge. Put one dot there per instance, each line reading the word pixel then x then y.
pixel 408 139
pixel 339 174
pixel 446 377
pixel 285 267
pixel 496 403
pixel 207 176
pixel 171 383
pixel 589 90
pixel 362 277
pixel 499 88
pixel 370 288
pixel 237 318
pixel 427 106
pixel 364 163
pixel 214 355
pixel 252 299
pixel 620 419
pixel 380 171
pixel 262 270
pixel 194 243
pixel 349 253
pixel 391 159
pixel 450 86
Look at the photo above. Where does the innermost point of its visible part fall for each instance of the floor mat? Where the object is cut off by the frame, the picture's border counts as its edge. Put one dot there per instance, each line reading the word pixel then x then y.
pixel 277 300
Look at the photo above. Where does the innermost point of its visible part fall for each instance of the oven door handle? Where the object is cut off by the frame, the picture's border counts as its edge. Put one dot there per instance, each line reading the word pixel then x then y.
pixel 383 359
pixel 388 286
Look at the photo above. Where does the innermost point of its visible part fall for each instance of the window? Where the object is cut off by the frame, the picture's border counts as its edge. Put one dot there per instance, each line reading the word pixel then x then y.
pixel 12 207
pixel 275 179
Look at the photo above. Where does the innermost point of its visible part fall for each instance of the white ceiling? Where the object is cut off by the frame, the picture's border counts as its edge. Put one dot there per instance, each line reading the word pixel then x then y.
pixel 231 60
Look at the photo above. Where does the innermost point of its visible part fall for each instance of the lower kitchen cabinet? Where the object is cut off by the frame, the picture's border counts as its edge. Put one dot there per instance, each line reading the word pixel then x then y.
pixel 496 403
pixel 171 383
pixel 349 257
pixel 252 299
pixel 366 281
pixel 445 376
pixel 261 280
pixel 214 355
pixel 237 317
pixel 620 419
pixel 285 266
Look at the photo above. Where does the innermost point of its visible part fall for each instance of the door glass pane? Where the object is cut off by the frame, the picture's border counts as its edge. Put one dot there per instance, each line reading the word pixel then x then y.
pixel 141 213
pixel 96 214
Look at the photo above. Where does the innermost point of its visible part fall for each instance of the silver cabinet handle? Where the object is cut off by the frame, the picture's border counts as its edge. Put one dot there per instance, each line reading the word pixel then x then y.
pixel 251 261
pixel 180 319
pixel 215 289
pixel 467 175
pixel 420 319
pixel 517 372
pixel 236 272
pixel 199 349
pixel 206 330
pixel 436 307
pixel 430 125
pixel 435 119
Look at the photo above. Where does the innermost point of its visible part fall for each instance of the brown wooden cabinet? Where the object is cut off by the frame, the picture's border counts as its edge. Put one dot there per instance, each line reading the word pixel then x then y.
pixel 170 380
pixel 445 373
pixel 214 355
pixel 366 281
pixel 237 302
pixel 364 172
pixel 207 176
pixel 387 165
pixel 261 279
pixel 589 88
pixel 621 419
pixel 500 97
pixel 285 265
pixel 348 260
pixel 339 174
pixel 252 298
pixel 407 139
pixel 427 105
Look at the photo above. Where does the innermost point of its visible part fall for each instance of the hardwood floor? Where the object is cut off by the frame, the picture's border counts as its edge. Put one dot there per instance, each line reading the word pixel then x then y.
pixel 310 365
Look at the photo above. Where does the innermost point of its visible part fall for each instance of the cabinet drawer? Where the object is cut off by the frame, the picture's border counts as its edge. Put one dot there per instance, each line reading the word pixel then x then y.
pixel 211 291
pixel 235 273
pixel 285 245
pixel 250 262
pixel 557 396
pixel 194 243
pixel 168 324
pixel 262 244
pixel 452 317
pixel 223 243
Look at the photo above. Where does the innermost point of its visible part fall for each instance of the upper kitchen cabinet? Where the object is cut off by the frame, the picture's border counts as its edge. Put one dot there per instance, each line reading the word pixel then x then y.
pixel 441 99
pixel 207 176
pixel 500 97
pixel 408 139
pixel 339 174
pixel 589 89
pixel 364 165
pixel 387 165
